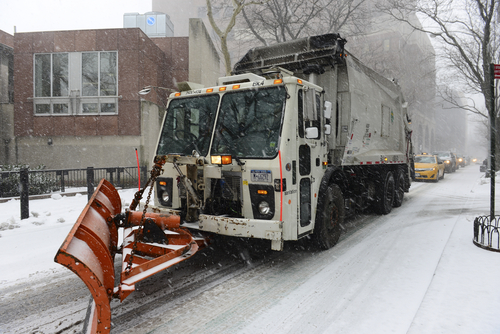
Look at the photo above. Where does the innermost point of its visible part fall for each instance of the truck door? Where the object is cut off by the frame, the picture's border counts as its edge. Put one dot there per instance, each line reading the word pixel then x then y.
pixel 309 157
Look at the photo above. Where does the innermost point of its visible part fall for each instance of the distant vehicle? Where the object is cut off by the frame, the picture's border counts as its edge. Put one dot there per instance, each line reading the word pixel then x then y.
pixel 460 160
pixel 476 161
pixel 428 167
pixel 449 159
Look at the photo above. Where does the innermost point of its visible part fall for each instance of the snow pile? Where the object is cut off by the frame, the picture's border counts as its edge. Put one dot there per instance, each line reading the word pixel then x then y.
pixel 29 245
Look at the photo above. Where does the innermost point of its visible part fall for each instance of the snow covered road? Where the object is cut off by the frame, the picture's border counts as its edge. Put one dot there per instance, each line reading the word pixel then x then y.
pixel 415 270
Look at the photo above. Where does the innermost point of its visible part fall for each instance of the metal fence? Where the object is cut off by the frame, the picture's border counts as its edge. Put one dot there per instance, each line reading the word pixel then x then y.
pixel 487 233
pixel 51 180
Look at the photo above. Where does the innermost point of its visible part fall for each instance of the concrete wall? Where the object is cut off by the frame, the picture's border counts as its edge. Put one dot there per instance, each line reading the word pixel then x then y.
pixel 152 118
pixel 7 144
pixel 7 153
pixel 204 61
pixel 94 151
pixel 180 12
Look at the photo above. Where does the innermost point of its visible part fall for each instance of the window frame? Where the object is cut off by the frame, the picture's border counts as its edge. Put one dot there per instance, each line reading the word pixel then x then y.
pixel 74 100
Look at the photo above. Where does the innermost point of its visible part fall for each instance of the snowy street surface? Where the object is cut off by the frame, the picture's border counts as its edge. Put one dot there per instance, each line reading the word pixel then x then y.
pixel 415 270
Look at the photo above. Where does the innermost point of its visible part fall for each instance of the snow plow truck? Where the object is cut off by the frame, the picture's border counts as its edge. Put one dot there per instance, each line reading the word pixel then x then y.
pixel 299 136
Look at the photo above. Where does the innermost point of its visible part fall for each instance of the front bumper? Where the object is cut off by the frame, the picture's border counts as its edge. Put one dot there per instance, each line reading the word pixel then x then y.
pixel 236 227
pixel 426 175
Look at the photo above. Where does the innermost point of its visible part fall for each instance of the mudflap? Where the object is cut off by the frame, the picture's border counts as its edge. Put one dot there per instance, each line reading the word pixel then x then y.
pixel 90 247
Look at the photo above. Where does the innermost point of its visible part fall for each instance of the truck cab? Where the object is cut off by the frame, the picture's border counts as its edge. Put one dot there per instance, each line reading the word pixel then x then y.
pixel 254 150
pixel 297 138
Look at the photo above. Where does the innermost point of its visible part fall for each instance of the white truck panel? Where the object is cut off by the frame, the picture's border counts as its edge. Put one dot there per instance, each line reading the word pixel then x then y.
pixel 375 130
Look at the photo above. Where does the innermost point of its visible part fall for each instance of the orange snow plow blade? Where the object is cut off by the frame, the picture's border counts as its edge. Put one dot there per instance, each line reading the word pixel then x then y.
pixel 151 243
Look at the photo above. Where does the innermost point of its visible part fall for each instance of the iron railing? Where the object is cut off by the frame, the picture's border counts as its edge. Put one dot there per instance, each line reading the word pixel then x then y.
pixel 46 181
pixel 486 233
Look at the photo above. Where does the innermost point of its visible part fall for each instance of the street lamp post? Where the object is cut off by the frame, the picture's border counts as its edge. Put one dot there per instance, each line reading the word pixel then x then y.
pixel 494 74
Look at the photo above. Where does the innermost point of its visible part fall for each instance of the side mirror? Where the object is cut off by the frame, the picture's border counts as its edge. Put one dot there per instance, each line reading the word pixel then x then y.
pixel 328 110
pixel 312 133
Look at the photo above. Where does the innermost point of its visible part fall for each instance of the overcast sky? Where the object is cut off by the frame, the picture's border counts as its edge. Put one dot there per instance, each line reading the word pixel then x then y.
pixel 50 15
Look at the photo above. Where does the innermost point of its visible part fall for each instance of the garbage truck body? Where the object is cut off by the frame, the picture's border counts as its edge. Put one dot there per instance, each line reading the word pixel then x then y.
pixel 298 137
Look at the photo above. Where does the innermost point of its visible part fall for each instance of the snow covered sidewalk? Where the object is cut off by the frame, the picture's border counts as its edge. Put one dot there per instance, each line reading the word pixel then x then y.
pixel 415 270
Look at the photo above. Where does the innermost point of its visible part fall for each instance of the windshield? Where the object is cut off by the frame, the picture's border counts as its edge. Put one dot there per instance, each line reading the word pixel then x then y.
pixel 443 155
pixel 425 159
pixel 188 125
pixel 249 123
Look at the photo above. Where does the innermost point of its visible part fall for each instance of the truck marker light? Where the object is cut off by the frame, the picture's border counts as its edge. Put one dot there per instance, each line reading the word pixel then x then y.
pixel 221 159
pixel 210 90
pixel 163 183
pixel 177 94
pixel 262 192
pixel 236 86
pixel 299 81
pixel 227 159
pixel 216 159
pixel 278 81
pixel 221 89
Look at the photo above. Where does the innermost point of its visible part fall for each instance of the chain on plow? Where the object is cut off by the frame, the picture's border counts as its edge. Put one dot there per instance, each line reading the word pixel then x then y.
pixel 156 171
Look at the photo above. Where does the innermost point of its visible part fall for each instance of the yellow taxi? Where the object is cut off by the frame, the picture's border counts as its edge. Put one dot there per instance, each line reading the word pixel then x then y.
pixel 428 167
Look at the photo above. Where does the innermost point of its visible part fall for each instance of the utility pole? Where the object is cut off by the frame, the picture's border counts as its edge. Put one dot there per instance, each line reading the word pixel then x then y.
pixel 494 74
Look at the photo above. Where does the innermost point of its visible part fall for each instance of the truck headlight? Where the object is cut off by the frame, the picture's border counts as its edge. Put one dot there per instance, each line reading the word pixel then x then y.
pixel 262 199
pixel 164 189
pixel 165 196
pixel 264 208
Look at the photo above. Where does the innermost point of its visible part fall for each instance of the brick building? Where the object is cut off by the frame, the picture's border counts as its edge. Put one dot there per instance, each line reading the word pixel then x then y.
pixel 76 98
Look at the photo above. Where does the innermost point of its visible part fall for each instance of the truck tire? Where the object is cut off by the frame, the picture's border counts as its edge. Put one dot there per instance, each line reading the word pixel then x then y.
pixel 400 189
pixel 329 217
pixel 385 194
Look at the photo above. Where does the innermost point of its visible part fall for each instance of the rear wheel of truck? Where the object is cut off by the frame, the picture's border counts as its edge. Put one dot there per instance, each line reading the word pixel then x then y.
pixel 400 189
pixel 385 194
pixel 329 217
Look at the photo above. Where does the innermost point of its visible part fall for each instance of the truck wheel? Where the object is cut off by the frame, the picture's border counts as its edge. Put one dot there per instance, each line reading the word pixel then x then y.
pixel 385 194
pixel 400 189
pixel 329 217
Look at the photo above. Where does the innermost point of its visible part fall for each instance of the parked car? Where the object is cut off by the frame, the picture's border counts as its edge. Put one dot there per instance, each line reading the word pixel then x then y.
pixel 428 167
pixel 449 159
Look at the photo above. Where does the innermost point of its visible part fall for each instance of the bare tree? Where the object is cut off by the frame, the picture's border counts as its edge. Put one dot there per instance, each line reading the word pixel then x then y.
pixel 469 41
pixel 277 21
pixel 234 10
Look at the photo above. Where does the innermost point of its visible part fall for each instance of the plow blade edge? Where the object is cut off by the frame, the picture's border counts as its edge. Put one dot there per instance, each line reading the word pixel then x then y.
pixel 151 243
pixel 89 249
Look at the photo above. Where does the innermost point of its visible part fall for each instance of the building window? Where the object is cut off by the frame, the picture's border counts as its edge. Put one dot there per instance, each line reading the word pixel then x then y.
pixel 76 83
